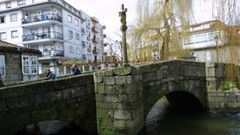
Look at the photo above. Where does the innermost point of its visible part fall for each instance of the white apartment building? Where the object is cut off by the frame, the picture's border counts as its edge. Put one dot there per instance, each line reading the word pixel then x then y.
pixel 61 32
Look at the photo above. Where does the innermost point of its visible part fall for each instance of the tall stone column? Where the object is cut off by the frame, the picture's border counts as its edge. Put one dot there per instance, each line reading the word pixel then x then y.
pixel 211 77
pixel 119 101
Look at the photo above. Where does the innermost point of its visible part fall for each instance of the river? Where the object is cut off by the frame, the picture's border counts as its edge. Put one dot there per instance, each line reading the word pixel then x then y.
pixel 161 122
pixel 164 120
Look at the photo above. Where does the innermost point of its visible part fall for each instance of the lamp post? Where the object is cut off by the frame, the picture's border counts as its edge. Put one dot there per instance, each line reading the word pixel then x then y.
pixel 123 16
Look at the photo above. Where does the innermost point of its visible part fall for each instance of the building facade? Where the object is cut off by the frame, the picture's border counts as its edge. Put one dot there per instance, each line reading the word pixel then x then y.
pixel 18 63
pixel 213 41
pixel 61 32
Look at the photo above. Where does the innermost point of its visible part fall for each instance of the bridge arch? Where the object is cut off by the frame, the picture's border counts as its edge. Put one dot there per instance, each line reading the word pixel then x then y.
pixel 176 97
pixel 176 102
pixel 173 78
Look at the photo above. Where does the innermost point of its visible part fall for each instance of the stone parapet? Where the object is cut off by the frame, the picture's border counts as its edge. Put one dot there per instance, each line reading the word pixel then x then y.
pixel 69 99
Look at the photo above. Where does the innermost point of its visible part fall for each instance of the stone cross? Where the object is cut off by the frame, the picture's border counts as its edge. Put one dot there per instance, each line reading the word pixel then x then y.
pixel 123 16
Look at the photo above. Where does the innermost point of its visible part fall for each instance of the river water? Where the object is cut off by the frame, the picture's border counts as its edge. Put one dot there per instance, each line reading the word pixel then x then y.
pixel 161 122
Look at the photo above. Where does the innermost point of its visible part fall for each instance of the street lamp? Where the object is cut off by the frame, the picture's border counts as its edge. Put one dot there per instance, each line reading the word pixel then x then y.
pixel 123 16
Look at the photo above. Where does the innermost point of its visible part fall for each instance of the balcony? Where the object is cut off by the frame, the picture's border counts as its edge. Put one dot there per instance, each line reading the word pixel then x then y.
pixel 94 19
pixel 94 40
pixel 94 29
pixel 95 51
pixel 42 36
pixel 41 18
pixel 48 53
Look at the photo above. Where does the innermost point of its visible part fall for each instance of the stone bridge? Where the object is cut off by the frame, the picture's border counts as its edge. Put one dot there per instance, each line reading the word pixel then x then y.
pixel 116 101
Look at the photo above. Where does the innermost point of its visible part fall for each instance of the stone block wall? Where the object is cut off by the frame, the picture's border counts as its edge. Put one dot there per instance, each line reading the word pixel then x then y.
pixel 119 101
pixel 224 101
pixel 218 100
pixel 67 99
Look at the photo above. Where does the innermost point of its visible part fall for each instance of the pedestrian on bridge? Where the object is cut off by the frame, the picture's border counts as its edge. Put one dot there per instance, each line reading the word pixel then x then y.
pixel 50 75
pixel 75 70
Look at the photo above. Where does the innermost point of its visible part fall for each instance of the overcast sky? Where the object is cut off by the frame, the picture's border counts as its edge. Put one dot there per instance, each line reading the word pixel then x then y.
pixel 107 13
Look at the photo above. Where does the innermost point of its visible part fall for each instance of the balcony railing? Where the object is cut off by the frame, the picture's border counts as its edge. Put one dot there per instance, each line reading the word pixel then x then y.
pixel 94 19
pixel 94 40
pixel 40 18
pixel 40 36
pixel 53 53
pixel 94 29
pixel 95 51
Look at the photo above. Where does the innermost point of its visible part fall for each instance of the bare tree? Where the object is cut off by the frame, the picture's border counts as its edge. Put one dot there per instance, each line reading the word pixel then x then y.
pixel 161 20
pixel 227 11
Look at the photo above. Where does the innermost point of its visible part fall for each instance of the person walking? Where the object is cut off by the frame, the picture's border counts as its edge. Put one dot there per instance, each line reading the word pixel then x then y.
pixel 50 75
pixel 75 70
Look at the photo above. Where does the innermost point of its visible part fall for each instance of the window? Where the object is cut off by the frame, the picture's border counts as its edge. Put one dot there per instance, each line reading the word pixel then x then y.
pixel 208 56
pixel 2 65
pixel 78 51
pixel 211 36
pixel 8 5
pixel 34 65
pixel 70 34
pixel 76 22
pixel 29 64
pixel 2 19
pixel 71 50
pixel 21 2
pixel 69 18
pixel 13 17
pixel 14 34
pixel 200 38
pixel 77 36
pixel 3 36
pixel 82 30
pixel 84 56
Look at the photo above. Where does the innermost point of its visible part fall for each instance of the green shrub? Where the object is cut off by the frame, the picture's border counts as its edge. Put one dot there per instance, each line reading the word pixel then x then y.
pixel 227 85
pixel 42 76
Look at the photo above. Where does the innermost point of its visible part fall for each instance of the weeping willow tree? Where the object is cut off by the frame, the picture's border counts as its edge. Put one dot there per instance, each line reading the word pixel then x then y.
pixel 228 12
pixel 161 22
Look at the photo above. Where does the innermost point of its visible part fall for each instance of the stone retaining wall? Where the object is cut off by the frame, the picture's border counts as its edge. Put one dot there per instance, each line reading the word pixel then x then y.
pixel 224 101
pixel 218 100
